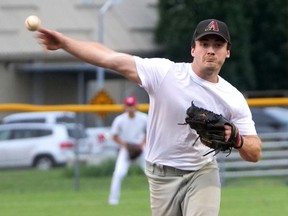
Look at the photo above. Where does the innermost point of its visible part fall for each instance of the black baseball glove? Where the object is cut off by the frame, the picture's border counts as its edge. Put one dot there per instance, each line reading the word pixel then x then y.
pixel 134 150
pixel 211 131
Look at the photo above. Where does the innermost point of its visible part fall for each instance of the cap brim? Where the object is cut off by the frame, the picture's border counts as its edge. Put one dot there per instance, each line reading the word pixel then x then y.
pixel 130 104
pixel 211 33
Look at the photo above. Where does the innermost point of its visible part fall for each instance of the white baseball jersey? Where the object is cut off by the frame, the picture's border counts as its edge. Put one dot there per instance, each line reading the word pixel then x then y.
pixel 131 130
pixel 172 87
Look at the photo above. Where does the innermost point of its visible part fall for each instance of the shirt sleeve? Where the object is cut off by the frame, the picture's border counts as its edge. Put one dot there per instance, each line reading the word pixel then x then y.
pixel 152 71
pixel 115 127
pixel 243 120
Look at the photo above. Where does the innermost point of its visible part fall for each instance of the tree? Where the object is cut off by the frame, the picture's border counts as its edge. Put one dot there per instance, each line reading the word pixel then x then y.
pixel 259 37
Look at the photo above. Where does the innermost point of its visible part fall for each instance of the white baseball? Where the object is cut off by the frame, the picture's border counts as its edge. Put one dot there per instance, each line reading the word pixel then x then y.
pixel 32 23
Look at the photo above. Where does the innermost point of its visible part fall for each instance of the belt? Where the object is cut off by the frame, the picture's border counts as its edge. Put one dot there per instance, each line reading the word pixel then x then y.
pixel 163 170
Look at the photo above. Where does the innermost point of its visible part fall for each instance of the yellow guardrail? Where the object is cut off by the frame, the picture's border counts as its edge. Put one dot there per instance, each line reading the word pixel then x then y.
pixel 268 101
pixel 104 108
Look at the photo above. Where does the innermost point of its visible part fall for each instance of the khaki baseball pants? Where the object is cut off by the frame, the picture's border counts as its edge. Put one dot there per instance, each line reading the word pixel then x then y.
pixel 175 192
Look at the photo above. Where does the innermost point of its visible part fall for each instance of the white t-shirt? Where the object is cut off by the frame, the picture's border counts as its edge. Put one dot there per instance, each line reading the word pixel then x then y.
pixel 172 87
pixel 131 130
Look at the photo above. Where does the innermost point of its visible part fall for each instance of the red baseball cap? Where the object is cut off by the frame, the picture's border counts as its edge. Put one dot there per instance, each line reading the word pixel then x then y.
pixel 130 101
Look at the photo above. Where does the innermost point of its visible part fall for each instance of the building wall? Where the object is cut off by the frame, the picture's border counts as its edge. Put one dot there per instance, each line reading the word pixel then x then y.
pixel 14 87
pixel 128 28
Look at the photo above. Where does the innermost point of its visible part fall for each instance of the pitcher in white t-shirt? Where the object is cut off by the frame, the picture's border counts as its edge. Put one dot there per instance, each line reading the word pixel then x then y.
pixel 182 182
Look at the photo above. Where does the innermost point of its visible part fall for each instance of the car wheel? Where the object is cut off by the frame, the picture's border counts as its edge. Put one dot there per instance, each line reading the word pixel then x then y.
pixel 44 162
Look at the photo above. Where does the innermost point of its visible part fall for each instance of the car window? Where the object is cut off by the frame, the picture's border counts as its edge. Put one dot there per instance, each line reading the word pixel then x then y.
pixel 40 120
pixel 76 133
pixel 281 114
pixel 65 119
pixel 262 118
pixel 5 134
pixel 46 132
pixel 266 121
pixel 29 133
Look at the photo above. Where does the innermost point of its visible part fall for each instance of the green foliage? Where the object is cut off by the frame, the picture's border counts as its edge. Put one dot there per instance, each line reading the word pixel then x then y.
pixel 269 37
pixel 258 30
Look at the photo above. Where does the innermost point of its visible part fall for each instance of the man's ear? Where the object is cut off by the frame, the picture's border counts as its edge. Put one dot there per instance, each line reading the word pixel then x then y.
pixel 192 51
pixel 228 54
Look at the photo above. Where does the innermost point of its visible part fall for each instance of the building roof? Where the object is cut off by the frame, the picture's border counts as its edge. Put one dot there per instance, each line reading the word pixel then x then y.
pixel 128 26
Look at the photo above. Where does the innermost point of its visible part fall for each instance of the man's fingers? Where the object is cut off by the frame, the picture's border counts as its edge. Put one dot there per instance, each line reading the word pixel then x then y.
pixel 227 132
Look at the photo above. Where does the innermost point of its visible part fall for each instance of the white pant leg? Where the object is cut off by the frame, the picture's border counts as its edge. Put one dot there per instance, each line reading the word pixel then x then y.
pixel 120 171
pixel 141 162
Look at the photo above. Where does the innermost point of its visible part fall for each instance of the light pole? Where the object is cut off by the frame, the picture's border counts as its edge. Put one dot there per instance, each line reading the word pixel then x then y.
pixel 100 79
pixel 105 7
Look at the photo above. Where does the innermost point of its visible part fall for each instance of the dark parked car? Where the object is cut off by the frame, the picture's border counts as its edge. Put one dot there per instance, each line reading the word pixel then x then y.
pixel 270 119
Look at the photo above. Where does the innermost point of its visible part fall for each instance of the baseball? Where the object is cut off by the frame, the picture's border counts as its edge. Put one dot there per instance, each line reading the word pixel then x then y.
pixel 32 23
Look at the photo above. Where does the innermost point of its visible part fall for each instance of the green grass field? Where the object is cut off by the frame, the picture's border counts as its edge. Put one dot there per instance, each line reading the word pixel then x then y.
pixel 52 193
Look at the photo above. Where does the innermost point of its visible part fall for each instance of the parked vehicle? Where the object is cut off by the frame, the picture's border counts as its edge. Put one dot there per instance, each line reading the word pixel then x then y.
pixel 40 145
pixel 103 148
pixel 101 139
pixel 40 117
pixel 270 119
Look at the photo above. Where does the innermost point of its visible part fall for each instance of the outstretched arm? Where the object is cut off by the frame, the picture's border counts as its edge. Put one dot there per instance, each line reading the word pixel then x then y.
pixel 90 52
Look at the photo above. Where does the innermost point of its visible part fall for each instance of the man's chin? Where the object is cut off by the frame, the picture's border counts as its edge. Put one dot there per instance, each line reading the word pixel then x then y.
pixel 211 67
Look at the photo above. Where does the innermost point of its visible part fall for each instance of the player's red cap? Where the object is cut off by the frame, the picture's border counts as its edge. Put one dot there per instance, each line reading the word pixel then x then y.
pixel 130 101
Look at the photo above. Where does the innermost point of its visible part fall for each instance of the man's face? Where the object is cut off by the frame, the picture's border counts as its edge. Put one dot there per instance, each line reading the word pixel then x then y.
pixel 130 109
pixel 210 53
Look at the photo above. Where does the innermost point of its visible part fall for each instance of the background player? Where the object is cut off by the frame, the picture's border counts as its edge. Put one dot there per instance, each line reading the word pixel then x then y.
pixel 129 127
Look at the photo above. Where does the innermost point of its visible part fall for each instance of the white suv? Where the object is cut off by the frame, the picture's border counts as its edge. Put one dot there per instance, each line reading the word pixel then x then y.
pixel 39 145
pixel 40 117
